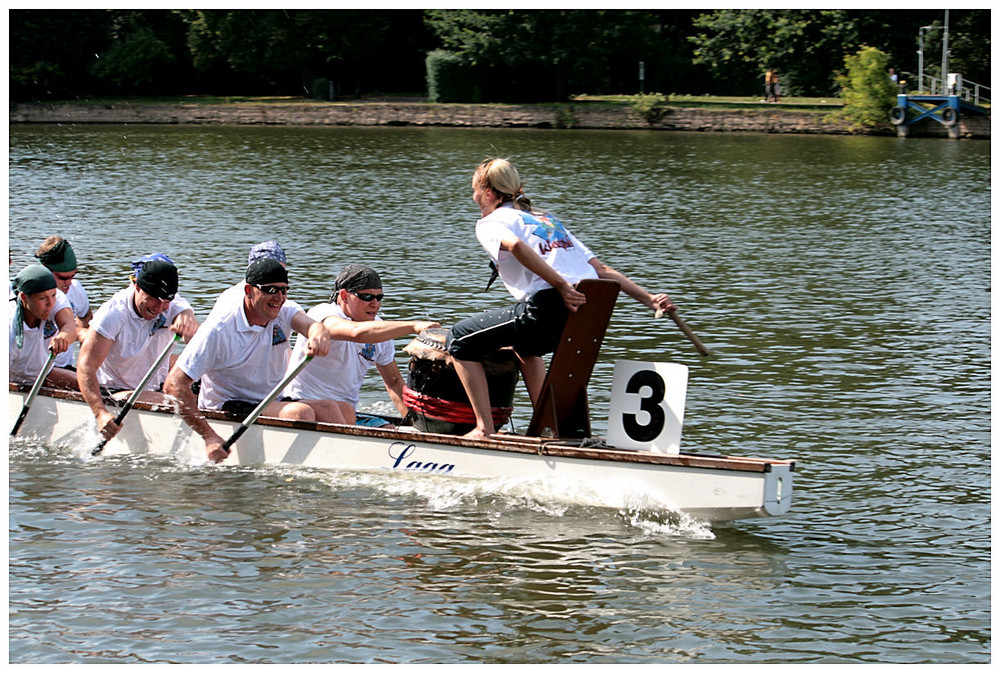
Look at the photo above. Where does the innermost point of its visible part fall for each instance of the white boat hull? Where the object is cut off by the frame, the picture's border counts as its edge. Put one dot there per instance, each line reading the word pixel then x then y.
pixel 709 488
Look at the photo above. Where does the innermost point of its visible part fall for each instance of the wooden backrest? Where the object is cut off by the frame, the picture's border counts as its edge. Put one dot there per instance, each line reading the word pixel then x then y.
pixel 561 409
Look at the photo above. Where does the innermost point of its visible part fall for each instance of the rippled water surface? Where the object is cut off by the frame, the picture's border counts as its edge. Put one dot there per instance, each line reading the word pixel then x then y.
pixel 842 285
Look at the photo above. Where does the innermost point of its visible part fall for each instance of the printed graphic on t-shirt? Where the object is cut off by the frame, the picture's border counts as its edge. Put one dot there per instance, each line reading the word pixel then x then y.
pixel 368 352
pixel 278 336
pixel 550 230
pixel 159 323
pixel 50 329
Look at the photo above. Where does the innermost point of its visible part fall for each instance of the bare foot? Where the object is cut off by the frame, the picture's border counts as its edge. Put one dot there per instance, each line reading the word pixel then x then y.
pixel 476 433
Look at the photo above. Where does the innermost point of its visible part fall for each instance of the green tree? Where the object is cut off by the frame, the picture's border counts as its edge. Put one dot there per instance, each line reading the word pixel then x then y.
pixel 805 46
pixel 136 55
pixel 547 54
pixel 51 50
pixel 288 49
pixel 867 91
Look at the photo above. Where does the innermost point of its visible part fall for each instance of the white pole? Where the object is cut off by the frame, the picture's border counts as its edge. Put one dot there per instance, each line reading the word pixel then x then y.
pixel 944 56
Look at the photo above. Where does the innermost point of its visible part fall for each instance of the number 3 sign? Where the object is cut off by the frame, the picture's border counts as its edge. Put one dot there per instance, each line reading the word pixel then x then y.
pixel 647 406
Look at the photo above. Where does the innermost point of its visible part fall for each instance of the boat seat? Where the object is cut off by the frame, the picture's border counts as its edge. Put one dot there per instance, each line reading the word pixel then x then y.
pixel 561 409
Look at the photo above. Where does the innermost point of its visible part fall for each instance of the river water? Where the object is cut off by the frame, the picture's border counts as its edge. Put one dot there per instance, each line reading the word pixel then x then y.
pixel 841 283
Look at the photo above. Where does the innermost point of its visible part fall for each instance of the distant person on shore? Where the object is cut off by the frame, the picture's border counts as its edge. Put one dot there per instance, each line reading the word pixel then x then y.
pixel 772 88
pixel 56 254
pixel 128 333
pixel 40 321
pixel 240 354
pixel 540 262
pixel 359 340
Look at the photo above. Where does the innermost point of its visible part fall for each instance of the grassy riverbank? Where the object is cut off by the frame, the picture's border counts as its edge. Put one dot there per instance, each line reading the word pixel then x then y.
pixel 681 101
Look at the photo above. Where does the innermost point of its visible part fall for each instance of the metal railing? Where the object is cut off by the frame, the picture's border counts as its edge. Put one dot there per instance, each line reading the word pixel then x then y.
pixel 971 91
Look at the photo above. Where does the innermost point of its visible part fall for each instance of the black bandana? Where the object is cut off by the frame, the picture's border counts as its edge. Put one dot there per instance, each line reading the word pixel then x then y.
pixel 356 277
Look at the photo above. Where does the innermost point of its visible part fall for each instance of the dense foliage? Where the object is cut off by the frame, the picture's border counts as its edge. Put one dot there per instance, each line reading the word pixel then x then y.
pixel 507 55
pixel 868 92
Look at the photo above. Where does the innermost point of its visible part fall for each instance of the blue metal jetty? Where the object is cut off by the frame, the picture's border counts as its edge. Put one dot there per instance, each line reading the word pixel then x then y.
pixel 945 110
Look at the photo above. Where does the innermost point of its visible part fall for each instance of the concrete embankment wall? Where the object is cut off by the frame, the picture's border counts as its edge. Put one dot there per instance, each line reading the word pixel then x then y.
pixel 581 116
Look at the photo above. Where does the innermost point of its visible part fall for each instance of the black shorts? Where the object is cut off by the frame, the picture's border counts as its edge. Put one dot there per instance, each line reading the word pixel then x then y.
pixel 531 328
pixel 241 408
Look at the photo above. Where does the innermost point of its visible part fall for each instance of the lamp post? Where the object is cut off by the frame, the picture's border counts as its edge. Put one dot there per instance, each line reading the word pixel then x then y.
pixel 920 58
pixel 944 55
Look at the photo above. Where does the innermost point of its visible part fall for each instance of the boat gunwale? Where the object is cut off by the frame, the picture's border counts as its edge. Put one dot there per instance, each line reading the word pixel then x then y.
pixel 549 447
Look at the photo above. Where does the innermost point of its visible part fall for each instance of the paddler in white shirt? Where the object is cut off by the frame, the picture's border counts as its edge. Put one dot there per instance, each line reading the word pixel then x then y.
pixel 128 333
pixel 240 355
pixel 40 322
pixel 57 255
pixel 359 340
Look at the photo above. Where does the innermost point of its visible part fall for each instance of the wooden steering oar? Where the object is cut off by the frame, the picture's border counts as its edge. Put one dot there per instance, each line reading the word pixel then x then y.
pixel 138 390
pixel 46 368
pixel 248 421
pixel 684 328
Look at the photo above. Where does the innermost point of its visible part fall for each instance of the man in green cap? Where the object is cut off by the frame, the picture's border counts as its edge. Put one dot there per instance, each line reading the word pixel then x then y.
pixel 56 254
pixel 41 321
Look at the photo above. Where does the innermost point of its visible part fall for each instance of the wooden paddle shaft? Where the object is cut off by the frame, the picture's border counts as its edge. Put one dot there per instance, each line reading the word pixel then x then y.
pixel 687 332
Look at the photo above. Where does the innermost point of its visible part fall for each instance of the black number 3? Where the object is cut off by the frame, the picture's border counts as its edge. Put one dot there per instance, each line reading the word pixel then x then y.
pixel 650 404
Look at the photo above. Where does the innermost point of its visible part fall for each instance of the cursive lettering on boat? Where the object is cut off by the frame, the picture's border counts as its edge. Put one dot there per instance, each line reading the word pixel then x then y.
pixel 400 452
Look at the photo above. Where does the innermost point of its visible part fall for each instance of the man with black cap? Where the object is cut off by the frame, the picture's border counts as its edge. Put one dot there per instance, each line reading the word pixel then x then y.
pixel 56 254
pixel 40 321
pixel 128 333
pixel 359 339
pixel 240 355
pixel 233 296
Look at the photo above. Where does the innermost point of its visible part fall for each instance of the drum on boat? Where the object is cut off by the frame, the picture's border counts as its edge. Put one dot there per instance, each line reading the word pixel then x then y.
pixel 435 395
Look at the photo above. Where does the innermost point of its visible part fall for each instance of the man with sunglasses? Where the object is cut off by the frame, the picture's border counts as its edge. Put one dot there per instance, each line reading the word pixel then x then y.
pixel 359 340
pixel 128 333
pixel 240 355
pixel 56 254
pixel 233 296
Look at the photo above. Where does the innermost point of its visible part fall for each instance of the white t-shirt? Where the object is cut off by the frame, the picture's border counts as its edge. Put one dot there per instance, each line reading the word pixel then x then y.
pixel 137 341
pixel 80 303
pixel 547 236
pixel 26 362
pixel 236 360
pixel 339 375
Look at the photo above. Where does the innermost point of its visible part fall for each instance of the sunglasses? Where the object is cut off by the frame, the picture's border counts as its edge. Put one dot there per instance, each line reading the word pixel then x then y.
pixel 367 296
pixel 273 289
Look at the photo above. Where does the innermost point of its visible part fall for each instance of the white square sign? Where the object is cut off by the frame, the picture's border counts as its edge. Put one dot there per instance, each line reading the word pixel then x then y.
pixel 647 406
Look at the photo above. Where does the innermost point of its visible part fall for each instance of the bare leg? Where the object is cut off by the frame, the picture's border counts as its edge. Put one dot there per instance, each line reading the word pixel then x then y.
pixel 62 378
pixel 473 378
pixel 293 411
pixel 332 411
pixel 533 373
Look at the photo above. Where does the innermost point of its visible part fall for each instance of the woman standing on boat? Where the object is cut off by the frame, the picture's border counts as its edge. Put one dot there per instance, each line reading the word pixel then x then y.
pixel 540 262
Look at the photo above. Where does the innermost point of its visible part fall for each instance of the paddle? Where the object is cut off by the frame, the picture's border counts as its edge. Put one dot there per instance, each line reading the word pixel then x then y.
pixel 248 421
pixel 138 390
pixel 46 368
pixel 684 328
